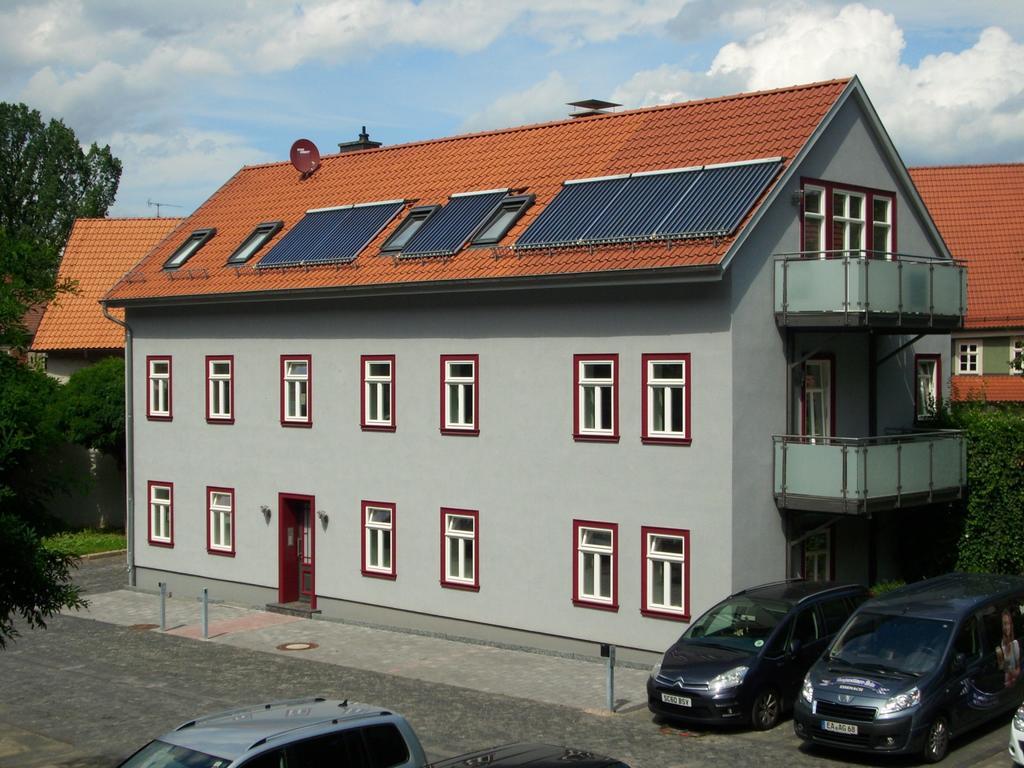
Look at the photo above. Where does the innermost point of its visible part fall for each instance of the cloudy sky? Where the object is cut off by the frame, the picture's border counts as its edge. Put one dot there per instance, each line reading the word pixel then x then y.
pixel 187 91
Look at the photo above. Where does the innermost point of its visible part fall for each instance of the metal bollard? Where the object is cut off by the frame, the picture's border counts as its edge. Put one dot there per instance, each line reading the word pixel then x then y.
pixel 608 651
pixel 206 614
pixel 163 606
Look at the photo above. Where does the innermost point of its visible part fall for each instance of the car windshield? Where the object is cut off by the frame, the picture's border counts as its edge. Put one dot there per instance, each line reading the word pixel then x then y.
pixel 160 754
pixel 741 622
pixel 904 645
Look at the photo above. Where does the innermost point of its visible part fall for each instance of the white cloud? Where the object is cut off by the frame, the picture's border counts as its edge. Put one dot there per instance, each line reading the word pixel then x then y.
pixel 543 101
pixel 952 107
pixel 176 168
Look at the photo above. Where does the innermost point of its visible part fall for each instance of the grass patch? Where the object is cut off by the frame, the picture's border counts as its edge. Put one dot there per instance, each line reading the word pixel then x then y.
pixel 85 542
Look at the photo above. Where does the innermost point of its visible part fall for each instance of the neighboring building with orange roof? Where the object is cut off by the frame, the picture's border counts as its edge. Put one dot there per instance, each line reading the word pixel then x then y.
pixel 73 334
pixel 73 331
pixel 591 374
pixel 978 211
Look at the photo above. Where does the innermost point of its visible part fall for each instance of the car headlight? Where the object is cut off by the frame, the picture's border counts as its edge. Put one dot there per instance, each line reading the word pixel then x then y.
pixel 901 701
pixel 656 669
pixel 1018 719
pixel 807 692
pixel 729 679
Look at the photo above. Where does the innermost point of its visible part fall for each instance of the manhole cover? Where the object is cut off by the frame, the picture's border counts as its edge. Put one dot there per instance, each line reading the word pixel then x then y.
pixel 297 646
pixel 143 627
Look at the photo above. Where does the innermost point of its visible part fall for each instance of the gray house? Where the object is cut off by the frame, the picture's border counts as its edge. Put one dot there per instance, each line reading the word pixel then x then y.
pixel 555 384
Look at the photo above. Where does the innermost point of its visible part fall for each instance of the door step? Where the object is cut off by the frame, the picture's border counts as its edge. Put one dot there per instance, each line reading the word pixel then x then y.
pixel 298 608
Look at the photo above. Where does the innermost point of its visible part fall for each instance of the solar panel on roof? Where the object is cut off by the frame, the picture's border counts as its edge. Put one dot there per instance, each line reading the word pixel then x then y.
pixel 692 202
pixel 444 233
pixel 331 235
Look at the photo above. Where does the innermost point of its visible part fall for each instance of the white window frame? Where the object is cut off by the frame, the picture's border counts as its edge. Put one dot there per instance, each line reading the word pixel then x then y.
pixel 596 389
pixel 652 384
pixel 926 387
pixel 882 224
pixel 815 219
pixel 668 562
pixel 594 555
pixel 847 221
pixel 221 520
pixel 822 390
pixel 161 514
pixel 158 402
pixel 458 569
pixel 461 391
pixel 1017 353
pixel 296 390
pixel 383 535
pixel 219 389
pixel 820 558
pixel 966 357
pixel 380 389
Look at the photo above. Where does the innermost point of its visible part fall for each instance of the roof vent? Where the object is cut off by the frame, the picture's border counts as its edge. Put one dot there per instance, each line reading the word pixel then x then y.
pixel 589 107
pixel 363 142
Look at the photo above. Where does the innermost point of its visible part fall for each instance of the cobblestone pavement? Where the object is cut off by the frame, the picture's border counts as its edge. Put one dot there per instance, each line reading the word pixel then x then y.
pixel 96 685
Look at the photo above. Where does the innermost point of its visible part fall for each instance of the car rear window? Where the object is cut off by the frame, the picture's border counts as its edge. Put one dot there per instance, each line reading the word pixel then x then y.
pixel 386 746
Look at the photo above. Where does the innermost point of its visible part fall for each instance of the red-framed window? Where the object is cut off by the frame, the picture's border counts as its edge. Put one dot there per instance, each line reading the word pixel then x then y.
pixel 818 397
pixel 297 390
pixel 460 548
pixel 595 398
pixel 158 388
pixel 220 389
pixel 665 573
pixel 160 500
pixel 220 521
pixel 927 387
pixel 379 539
pixel 377 395
pixel 840 218
pixel 595 570
pixel 460 394
pixel 666 398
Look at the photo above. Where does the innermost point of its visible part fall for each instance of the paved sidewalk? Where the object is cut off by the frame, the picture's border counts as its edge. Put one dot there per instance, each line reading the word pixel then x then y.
pixel 539 677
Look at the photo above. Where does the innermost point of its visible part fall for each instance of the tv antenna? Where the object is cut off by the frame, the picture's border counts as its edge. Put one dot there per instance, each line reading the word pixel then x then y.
pixel 155 204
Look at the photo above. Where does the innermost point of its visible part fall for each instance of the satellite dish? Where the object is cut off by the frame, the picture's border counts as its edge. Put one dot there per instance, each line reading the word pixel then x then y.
pixel 305 156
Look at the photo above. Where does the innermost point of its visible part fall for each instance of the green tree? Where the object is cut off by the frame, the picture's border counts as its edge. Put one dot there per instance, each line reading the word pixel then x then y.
pixel 90 408
pixel 47 180
pixel 36 581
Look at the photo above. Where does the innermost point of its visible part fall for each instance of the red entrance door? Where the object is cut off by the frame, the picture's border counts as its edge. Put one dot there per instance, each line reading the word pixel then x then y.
pixel 296 547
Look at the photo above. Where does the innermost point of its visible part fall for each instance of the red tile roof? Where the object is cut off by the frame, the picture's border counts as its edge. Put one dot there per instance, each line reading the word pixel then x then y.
pixel 98 253
pixel 996 388
pixel 977 208
pixel 535 158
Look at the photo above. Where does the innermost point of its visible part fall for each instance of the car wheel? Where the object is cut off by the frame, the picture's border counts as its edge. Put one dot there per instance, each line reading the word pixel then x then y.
pixel 767 710
pixel 936 741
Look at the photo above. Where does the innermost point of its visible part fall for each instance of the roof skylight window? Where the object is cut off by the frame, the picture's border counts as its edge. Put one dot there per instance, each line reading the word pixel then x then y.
pixel 417 218
pixel 194 242
pixel 255 241
pixel 501 220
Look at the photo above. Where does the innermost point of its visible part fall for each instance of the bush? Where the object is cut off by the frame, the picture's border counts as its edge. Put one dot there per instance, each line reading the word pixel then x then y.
pixel 883 587
pixel 993 535
pixel 90 409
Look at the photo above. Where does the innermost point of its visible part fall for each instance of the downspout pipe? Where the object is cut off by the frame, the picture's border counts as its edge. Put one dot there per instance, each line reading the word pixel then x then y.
pixel 129 444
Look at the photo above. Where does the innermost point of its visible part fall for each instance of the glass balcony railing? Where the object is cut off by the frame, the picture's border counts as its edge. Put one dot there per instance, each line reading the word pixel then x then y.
pixel 862 475
pixel 859 288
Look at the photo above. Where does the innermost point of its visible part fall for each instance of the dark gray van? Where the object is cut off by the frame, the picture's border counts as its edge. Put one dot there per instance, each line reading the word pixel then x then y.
pixel 914 667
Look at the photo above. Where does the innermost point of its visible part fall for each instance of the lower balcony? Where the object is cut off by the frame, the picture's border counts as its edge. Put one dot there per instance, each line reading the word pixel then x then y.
pixel 859 476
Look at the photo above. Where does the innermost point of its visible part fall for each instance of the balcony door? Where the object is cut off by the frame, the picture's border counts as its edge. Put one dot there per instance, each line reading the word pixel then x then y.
pixel 818 398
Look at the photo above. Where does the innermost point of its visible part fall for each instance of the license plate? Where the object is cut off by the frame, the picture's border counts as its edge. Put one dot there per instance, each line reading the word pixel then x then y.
pixel 828 725
pixel 679 701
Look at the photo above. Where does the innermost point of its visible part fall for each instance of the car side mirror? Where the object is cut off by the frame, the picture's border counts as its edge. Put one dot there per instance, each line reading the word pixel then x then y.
pixel 959 662
pixel 794 646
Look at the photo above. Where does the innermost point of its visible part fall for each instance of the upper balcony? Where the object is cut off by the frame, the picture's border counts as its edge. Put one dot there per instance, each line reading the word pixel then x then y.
pixel 862 289
pixel 865 475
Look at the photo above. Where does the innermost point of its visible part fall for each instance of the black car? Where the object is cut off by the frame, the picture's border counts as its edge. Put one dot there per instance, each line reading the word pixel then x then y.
pixel 917 666
pixel 532 755
pixel 745 659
